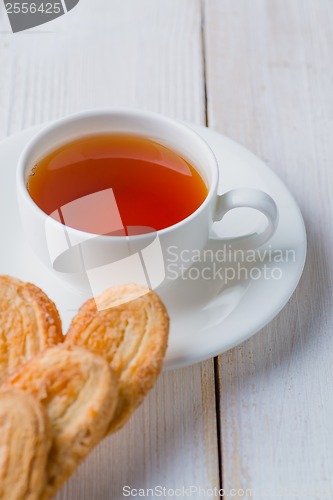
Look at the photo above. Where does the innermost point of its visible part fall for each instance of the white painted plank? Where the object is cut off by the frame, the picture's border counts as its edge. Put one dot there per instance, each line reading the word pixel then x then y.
pixel 112 53
pixel 144 54
pixel 169 442
pixel 6 69
pixel 269 83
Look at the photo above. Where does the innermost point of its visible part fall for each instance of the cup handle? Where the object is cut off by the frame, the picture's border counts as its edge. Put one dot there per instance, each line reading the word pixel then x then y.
pixel 249 198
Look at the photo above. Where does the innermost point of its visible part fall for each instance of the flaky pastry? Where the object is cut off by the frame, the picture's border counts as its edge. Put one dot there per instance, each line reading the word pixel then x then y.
pixel 24 446
pixel 130 329
pixel 79 392
pixel 29 322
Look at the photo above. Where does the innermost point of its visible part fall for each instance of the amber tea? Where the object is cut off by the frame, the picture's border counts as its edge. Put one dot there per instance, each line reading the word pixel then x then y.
pixel 153 186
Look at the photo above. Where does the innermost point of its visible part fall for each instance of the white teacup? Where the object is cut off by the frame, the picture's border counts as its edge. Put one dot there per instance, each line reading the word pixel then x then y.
pixel 99 261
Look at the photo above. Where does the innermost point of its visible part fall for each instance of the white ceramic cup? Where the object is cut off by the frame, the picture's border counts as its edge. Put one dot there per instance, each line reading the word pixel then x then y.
pixel 98 261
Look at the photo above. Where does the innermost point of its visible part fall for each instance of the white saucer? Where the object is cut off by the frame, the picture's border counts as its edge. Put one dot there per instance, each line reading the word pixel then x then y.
pixel 207 316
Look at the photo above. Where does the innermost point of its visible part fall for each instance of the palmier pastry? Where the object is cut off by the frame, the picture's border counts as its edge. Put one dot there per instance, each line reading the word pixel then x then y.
pixel 130 329
pixel 29 322
pixel 79 392
pixel 24 446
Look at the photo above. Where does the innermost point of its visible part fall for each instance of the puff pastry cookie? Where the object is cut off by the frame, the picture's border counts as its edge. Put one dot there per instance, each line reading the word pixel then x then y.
pixel 130 329
pixel 24 446
pixel 29 322
pixel 79 392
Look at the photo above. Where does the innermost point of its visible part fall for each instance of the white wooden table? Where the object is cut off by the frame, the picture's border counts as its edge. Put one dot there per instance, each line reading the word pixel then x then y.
pixel 260 417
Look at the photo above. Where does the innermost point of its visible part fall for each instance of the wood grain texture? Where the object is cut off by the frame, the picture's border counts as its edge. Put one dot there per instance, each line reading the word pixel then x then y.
pixel 269 86
pixel 145 54
pixel 6 73
pixel 113 53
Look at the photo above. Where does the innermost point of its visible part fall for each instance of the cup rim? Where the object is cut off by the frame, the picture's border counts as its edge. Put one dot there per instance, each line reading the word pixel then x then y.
pixel 56 124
